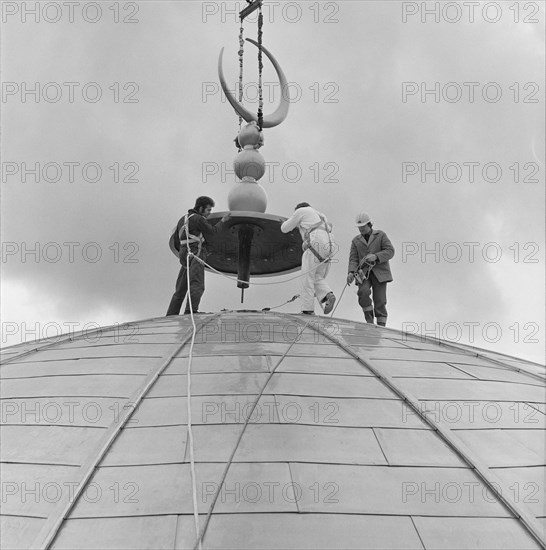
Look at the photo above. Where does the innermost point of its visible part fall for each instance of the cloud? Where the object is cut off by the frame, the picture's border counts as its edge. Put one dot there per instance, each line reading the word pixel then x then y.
pixel 348 135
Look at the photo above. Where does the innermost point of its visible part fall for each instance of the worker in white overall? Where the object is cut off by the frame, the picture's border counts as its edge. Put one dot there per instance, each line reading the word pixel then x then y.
pixel 318 248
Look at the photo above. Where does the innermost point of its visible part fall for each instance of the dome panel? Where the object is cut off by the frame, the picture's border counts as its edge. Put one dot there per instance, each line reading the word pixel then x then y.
pixel 210 384
pixel 394 490
pixel 416 369
pixel 110 365
pixel 76 386
pixel 34 490
pixel 322 365
pixel 19 532
pixel 328 385
pixel 89 350
pixel 129 533
pixel 459 390
pixel 58 444
pixel 469 533
pixel 305 531
pixel 229 363
pixel 288 442
pixel 500 374
pixel 501 448
pixel 154 445
pixel 405 447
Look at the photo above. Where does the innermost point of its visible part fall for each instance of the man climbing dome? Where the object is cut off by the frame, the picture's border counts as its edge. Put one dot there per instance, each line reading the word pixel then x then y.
pixel 369 265
pixel 191 231
pixel 318 248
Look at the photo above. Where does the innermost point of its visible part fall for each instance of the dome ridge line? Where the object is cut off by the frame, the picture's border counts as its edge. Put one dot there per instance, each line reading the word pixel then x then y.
pixel 490 479
pixel 230 460
pixel 53 524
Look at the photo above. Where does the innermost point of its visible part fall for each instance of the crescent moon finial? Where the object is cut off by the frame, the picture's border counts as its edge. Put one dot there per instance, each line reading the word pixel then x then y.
pixel 279 114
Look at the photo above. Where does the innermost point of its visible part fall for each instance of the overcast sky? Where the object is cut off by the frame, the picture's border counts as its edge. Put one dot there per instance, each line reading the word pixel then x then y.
pixel 432 123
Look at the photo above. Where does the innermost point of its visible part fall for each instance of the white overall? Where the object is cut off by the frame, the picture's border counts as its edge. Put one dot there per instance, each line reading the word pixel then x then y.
pixel 313 231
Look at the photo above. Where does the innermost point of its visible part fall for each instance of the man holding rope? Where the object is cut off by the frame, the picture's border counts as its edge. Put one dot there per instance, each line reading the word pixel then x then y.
pixel 316 233
pixel 369 265
pixel 190 233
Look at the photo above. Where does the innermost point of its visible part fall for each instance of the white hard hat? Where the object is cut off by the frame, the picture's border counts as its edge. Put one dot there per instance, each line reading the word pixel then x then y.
pixel 362 219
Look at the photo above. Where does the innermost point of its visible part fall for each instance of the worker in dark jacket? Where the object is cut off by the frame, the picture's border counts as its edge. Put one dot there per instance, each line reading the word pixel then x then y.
pixel 371 251
pixel 195 224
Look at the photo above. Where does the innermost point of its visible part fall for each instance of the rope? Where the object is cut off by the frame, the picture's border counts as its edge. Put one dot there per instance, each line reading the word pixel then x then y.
pixel 263 284
pixel 228 464
pixel 188 400
pixel 342 292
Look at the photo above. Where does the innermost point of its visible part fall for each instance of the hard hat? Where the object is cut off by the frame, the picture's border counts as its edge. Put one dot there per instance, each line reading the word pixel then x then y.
pixel 362 219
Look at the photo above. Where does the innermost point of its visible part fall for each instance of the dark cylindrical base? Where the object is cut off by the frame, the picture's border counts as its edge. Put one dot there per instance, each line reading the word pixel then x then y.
pixel 246 232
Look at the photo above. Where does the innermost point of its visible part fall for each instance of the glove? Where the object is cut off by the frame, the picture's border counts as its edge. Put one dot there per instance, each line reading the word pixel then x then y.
pixel 350 278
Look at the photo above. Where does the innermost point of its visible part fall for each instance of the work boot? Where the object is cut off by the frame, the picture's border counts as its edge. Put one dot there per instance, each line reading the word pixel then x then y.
pixel 381 321
pixel 329 301
pixel 368 315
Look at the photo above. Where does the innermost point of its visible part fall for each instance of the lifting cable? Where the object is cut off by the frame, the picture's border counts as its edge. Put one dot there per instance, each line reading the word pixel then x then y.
pixel 240 53
pixel 260 69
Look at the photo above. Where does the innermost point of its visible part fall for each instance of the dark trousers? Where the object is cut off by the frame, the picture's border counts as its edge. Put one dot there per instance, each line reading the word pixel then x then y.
pixel 379 305
pixel 197 286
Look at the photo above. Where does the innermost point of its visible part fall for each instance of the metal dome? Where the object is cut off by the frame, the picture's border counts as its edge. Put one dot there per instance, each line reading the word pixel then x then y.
pixel 306 432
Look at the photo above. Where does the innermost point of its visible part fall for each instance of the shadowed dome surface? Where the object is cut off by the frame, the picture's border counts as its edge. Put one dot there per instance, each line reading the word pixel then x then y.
pixel 306 432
